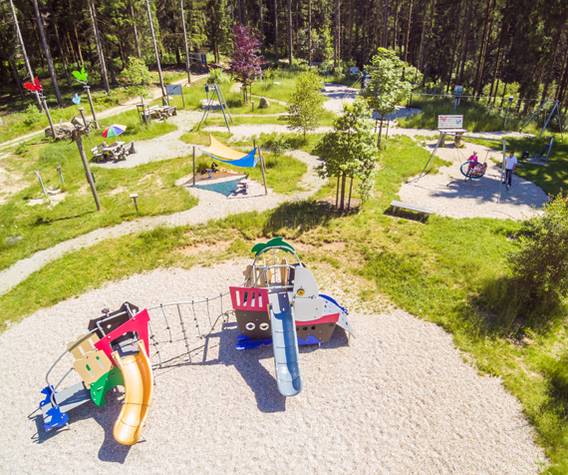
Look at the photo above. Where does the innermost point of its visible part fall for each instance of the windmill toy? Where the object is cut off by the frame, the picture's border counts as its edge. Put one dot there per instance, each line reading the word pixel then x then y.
pixel 34 86
pixel 82 78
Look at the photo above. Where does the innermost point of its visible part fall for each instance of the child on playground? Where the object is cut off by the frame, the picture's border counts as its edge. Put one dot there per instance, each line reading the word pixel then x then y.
pixel 510 164
pixel 473 161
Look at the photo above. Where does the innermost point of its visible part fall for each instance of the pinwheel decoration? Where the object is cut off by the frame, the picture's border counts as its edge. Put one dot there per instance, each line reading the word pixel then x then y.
pixel 113 130
pixel 80 76
pixel 34 86
pixel 76 99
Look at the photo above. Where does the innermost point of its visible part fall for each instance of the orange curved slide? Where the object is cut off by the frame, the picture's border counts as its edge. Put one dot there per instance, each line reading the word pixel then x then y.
pixel 138 383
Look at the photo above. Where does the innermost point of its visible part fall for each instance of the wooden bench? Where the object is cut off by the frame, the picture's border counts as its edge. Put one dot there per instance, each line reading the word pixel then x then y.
pixel 404 207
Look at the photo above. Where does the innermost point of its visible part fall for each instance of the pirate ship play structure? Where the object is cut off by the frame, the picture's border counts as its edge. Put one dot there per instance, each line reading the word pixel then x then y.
pixel 279 303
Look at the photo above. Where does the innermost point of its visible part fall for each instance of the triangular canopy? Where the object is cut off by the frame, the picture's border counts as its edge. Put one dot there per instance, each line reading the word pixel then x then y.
pixel 221 152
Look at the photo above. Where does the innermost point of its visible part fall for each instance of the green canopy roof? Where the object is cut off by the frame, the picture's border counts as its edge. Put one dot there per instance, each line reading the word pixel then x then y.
pixel 274 243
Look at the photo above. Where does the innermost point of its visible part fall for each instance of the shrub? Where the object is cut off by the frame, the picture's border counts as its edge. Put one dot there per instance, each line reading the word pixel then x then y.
pixel 135 73
pixel 218 76
pixel 534 291
pixel 557 376
pixel 278 143
pixel 306 103
pixel 541 263
pixel 32 115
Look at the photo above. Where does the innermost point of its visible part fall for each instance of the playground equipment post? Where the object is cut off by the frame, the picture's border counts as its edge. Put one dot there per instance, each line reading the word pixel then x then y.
pixel 194 165
pixel 261 167
pixel 187 59
pixel 87 89
pixel 157 53
pixel 79 142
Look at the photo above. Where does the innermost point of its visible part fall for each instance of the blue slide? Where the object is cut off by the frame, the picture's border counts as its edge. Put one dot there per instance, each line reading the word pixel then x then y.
pixel 284 343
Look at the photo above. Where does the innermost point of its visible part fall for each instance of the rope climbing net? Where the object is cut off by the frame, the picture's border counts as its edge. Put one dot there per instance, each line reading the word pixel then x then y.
pixel 178 330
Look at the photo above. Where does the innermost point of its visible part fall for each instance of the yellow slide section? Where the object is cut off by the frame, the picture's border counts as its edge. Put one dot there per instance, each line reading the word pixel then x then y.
pixel 138 383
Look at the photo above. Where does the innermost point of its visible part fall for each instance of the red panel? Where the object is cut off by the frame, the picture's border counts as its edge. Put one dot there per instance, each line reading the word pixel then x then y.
pixel 331 318
pixel 138 323
pixel 250 299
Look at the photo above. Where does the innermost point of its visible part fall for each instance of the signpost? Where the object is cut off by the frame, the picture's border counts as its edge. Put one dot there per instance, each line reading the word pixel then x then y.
pixel 451 125
pixel 450 122
pixel 175 90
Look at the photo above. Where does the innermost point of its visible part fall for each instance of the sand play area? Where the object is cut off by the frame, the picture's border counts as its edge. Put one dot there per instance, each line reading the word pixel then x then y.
pixel 398 398
pixel 448 193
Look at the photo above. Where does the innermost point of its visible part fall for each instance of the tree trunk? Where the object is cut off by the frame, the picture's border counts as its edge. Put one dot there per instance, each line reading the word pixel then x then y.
pixel 343 180
pixel 156 52
pixel 337 193
pixel 99 45
pixel 14 70
pixel 290 50
pixel 482 48
pixel 408 27
pixel 24 52
pixel 186 43
pixel 310 32
pixel 337 51
pixel 276 38
pixel 135 31
pixel 88 174
pixel 62 52
pixel 350 192
pixel 422 35
pixel 380 132
pixel 385 35
pixel 79 50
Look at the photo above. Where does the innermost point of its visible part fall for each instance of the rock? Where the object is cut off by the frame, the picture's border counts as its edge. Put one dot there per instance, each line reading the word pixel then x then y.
pixel 13 240
pixel 263 103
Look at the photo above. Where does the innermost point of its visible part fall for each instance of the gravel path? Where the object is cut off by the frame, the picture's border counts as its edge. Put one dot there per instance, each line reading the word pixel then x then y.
pixel 397 399
pixel 164 147
pixel 448 194
pixel 211 205
pixel 254 130
pixel 130 104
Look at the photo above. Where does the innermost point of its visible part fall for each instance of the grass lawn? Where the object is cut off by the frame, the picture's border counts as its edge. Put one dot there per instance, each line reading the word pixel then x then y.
pixel 15 124
pixel 42 226
pixel 431 270
pixel 552 177
pixel 16 120
pixel 283 173
pixel 196 94
pixel 477 117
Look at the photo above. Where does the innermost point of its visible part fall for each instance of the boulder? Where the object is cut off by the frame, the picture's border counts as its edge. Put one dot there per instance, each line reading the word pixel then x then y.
pixel 263 103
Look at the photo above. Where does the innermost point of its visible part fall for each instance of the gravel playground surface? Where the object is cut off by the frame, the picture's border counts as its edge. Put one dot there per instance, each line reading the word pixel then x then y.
pixel 448 193
pixel 398 398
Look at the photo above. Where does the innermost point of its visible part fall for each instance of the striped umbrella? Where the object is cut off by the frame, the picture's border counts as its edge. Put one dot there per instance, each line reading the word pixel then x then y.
pixel 113 130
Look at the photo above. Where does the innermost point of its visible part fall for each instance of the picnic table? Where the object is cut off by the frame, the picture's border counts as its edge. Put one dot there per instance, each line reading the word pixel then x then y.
pixel 155 112
pixel 113 152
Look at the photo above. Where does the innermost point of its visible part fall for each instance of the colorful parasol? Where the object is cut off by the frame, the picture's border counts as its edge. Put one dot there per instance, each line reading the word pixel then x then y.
pixel 113 130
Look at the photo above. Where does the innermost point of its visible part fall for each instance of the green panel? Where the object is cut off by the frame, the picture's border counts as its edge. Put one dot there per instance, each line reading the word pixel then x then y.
pixel 104 384
pixel 274 243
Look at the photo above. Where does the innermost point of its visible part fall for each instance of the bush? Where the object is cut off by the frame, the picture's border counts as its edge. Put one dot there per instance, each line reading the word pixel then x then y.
pixel 135 73
pixel 557 376
pixel 218 76
pixel 32 115
pixel 278 143
pixel 306 104
pixel 535 290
